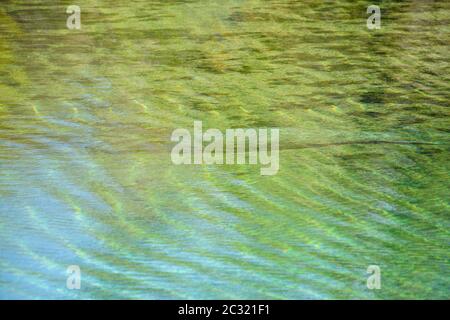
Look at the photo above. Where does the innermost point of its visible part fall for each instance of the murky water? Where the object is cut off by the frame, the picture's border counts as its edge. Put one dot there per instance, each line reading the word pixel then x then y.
pixel 86 177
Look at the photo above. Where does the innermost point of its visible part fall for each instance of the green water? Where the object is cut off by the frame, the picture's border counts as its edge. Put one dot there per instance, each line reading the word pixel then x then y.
pixel 86 176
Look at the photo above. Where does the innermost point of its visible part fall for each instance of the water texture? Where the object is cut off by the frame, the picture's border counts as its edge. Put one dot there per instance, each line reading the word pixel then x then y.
pixel 86 176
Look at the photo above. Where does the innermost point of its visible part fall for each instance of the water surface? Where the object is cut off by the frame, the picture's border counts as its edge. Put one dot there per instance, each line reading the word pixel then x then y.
pixel 86 177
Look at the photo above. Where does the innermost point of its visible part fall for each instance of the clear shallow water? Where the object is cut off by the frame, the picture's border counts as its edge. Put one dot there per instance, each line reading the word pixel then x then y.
pixel 85 171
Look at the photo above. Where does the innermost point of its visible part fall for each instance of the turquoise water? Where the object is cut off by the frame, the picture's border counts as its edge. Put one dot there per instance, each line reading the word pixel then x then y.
pixel 86 176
